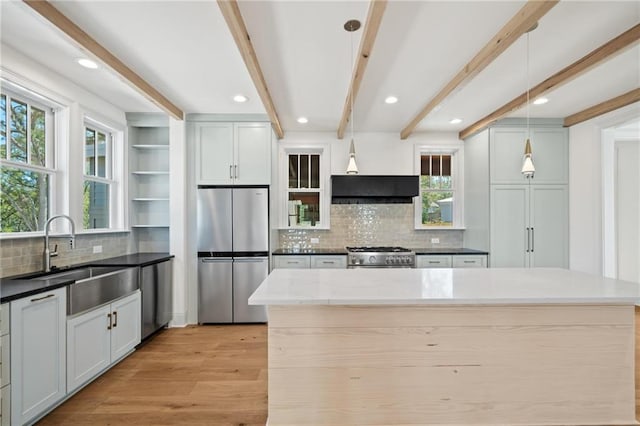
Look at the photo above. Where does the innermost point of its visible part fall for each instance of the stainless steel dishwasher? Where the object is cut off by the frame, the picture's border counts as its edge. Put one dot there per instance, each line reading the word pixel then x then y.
pixel 157 296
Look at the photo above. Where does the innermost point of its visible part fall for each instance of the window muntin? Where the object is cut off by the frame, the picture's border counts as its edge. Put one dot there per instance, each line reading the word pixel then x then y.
pixel 304 192
pixel 26 172
pixel 437 191
pixel 98 182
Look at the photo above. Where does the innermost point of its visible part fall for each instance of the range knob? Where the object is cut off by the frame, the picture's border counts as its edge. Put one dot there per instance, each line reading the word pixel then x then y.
pixel 372 259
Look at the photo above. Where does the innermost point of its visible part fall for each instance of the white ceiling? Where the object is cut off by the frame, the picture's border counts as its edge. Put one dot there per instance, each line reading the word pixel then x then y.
pixel 186 51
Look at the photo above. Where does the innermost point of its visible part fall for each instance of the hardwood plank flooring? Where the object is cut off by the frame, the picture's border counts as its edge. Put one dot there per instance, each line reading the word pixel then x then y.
pixel 209 375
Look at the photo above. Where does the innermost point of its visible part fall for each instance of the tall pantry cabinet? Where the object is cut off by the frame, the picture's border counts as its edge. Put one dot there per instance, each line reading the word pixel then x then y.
pixel 522 222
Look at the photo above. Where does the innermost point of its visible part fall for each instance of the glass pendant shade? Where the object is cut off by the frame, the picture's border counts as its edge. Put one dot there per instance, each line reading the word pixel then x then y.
pixel 528 169
pixel 352 168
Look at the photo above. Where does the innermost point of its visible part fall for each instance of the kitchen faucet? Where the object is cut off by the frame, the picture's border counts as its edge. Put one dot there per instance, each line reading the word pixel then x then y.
pixel 47 255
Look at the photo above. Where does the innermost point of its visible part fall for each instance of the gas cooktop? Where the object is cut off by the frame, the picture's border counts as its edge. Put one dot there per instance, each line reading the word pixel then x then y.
pixel 380 257
pixel 378 249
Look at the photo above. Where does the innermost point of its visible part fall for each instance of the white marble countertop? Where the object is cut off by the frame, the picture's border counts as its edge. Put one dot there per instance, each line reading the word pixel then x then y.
pixel 478 286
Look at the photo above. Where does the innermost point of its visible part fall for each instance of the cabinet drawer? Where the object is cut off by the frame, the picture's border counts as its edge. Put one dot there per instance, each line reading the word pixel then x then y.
pixel 318 262
pixel 291 262
pixel 4 319
pixel 5 362
pixel 433 261
pixel 470 261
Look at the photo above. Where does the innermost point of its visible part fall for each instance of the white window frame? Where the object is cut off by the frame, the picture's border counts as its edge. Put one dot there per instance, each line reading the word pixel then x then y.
pixel 115 174
pixel 51 119
pixel 457 187
pixel 325 182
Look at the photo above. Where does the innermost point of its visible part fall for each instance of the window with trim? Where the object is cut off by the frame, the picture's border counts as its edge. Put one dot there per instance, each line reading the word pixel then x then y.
pixel 27 166
pixel 98 177
pixel 439 204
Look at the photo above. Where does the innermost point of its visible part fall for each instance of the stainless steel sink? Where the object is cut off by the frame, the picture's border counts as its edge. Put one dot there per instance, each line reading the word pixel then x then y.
pixel 77 274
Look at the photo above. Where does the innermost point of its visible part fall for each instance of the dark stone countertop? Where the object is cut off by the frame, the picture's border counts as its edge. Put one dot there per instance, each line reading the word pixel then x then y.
pixel 308 251
pixel 12 288
pixel 448 251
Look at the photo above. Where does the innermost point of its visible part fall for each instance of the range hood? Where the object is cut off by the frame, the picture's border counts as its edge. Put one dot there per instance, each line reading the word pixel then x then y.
pixel 373 189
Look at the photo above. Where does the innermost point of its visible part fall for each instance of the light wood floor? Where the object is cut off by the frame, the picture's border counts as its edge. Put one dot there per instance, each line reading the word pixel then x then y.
pixel 211 375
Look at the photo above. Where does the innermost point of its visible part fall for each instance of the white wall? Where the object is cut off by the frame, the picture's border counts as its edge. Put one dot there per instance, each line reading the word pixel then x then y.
pixel 376 153
pixel 588 197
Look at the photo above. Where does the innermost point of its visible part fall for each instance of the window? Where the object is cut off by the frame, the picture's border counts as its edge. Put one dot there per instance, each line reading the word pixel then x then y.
pixel 26 163
pixel 304 174
pixel 98 180
pixel 440 202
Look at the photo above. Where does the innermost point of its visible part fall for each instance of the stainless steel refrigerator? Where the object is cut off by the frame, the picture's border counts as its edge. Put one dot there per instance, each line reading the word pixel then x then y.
pixel 233 244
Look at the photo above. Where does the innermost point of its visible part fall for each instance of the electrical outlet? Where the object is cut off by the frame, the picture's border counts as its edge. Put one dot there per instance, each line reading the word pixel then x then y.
pixel 97 249
pixel 315 240
pixel 435 241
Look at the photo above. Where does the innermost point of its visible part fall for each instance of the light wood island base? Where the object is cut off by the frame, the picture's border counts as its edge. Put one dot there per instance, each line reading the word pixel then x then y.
pixel 545 364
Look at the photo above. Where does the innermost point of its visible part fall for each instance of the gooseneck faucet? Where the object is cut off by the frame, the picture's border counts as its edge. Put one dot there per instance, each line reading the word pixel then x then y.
pixel 48 254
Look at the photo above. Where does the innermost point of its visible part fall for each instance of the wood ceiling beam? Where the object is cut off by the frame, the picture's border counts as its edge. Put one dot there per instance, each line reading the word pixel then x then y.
pixel 371 27
pixel 231 12
pixel 603 108
pixel 602 53
pixel 84 40
pixel 521 22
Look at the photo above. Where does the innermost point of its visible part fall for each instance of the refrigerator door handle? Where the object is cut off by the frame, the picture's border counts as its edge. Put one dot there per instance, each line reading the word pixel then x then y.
pixel 249 259
pixel 215 259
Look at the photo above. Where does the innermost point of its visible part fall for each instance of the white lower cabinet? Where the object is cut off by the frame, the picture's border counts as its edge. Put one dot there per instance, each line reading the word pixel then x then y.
pixel 292 262
pixel 37 354
pixel 100 337
pixel 5 406
pixel 338 261
pixel 451 261
pixel 327 262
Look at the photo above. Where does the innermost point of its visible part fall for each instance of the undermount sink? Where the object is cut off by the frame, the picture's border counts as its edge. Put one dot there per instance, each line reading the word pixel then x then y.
pixel 75 274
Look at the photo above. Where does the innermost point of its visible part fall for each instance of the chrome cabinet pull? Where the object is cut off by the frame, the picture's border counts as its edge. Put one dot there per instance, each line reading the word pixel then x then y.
pixel 533 241
pixel 109 326
pixel 328 262
pixel 115 319
pixel 42 298
pixel 292 262
pixel 469 261
pixel 435 261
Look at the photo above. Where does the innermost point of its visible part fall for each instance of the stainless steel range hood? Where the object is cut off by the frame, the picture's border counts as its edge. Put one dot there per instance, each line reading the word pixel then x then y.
pixel 373 189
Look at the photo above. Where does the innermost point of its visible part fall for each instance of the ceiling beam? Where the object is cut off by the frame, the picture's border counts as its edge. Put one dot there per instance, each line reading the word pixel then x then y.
pixel 371 26
pixel 85 41
pixel 602 53
pixel 231 12
pixel 603 108
pixel 521 22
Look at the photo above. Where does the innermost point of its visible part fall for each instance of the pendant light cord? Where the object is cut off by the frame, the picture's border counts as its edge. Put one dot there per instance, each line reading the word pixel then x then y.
pixel 350 87
pixel 528 85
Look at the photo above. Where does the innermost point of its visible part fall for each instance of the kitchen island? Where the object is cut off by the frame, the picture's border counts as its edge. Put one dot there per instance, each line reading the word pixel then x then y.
pixel 449 346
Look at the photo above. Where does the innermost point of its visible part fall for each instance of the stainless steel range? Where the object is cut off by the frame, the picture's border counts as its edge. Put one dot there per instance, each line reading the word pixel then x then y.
pixel 380 257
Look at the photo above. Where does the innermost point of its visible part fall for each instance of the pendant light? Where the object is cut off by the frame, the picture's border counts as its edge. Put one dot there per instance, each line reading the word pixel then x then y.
pixel 528 168
pixel 351 26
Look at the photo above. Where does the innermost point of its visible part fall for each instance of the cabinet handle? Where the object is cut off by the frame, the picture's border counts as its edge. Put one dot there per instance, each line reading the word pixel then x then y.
pixel 533 241
pixel 292 262
pixel 230 171
pixel 109 326
pixel 236 170
pixel 115 319
pixel 528 241
pixel 469 261
pixel 328 262
pixel 42 298
pixel 435 262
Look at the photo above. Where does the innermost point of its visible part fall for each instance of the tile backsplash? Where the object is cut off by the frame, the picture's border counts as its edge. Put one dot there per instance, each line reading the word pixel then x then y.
pixel 370 225
pixel 24 255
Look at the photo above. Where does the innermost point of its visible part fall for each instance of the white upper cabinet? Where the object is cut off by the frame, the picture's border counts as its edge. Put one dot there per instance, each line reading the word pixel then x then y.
pixel 233 153
pixel 550 147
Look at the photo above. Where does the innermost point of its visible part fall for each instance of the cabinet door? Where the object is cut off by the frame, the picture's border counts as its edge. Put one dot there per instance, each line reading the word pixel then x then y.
pixel 37 354
pixel 549 226
pixel 5 342
pixel 252 164
pixel 5 405
pixel 506 153
pixel 550 147
pixel 125 331
pixel 88 346
pixel 470 261
pixel 433 261
pixel 509 223
pixel 214 153
pixel 326 262
pixel 291 262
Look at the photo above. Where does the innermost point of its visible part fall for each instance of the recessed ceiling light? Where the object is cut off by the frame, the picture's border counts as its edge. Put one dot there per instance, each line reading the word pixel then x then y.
pixel 390 100
pixel 303 120
pixel 87 63
pixel 540 101
pixel 455 121
pixel 240 98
